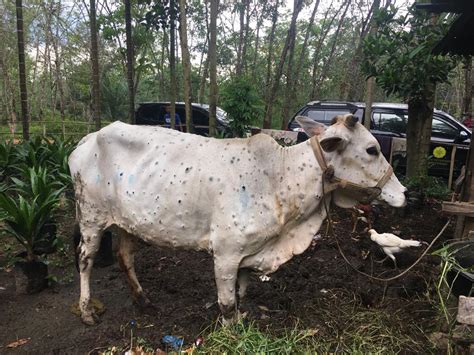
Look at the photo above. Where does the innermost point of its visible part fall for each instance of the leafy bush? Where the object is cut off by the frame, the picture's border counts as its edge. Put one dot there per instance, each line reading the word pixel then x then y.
pixel 428 186
pixel 240 99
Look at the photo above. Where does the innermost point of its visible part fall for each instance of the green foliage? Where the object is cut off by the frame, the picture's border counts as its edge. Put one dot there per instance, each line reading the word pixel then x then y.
pixel 429 186
pixel 399 55
pixel 248 339
pixel 443 286
pixel 363 331
pixel 240 99
pixel 25 213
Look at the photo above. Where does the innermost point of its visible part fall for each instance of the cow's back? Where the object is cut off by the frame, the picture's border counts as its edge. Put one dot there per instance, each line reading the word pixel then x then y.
pixel 155 181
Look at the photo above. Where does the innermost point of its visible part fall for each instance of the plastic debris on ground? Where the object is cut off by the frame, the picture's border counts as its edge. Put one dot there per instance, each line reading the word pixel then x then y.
pixel 264 278
pixel 172 341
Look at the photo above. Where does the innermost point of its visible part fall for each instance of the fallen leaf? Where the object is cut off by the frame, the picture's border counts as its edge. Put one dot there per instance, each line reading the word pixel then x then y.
pixel 18 343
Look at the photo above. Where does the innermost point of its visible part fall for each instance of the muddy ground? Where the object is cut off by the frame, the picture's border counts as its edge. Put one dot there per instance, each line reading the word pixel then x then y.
pixel 312 290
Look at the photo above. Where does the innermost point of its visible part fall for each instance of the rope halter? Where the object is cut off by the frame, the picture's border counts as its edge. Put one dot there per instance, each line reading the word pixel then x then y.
pixel 363 194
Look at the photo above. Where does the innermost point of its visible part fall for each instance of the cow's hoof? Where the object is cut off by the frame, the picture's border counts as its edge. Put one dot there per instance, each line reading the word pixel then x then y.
pixel 233 318
pixel 144 303
pixel 90 319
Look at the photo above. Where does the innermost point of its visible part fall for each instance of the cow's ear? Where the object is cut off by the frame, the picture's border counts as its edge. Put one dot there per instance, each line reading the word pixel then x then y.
pixel 311 127
pixel 331 144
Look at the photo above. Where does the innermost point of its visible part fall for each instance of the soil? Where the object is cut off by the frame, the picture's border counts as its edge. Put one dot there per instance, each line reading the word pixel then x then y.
pixel 309 290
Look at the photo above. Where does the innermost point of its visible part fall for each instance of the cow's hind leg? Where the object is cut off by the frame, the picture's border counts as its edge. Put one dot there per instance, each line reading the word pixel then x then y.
pixel 126 257
pixel 88 248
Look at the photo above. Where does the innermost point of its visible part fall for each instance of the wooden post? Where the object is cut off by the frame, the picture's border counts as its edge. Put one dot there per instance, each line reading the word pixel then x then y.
pixel 467 194
pixel 451 166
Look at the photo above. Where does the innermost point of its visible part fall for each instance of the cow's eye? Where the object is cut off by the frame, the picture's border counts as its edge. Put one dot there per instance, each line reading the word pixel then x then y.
pixel 372 151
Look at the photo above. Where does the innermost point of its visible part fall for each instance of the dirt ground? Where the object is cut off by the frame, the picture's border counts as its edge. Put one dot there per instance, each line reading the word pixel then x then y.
pixel 308 290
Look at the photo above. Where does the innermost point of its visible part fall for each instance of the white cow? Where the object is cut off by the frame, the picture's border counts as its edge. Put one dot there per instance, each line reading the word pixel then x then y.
pixel 251 202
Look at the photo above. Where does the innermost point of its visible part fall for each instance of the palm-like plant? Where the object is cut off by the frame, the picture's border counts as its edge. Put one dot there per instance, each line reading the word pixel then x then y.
pixel 25 214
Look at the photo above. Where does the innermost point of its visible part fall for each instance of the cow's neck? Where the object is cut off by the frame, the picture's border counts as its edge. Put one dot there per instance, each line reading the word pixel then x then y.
pixel 301 184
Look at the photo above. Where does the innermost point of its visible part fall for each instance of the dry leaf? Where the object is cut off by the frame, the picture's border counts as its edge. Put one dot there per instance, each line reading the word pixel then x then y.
pixel 18 343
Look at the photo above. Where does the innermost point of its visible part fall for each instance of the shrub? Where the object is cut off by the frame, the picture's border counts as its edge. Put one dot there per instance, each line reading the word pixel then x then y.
pixel 240 99
pixel 428 186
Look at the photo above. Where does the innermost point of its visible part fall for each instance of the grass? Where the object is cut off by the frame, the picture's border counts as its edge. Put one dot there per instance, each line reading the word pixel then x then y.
pixel 246 338
pixel 345 326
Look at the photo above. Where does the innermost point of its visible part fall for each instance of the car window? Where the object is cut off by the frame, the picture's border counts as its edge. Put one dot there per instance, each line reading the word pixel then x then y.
pixel 316 115
pixel 325 116
pixel 390 122
pixel 330 114
pixel 443 130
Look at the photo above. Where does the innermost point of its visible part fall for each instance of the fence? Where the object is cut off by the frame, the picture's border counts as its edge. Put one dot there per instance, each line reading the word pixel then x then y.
pixel 48 128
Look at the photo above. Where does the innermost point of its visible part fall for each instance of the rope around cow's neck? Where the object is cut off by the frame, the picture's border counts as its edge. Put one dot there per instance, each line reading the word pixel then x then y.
pixel 330 231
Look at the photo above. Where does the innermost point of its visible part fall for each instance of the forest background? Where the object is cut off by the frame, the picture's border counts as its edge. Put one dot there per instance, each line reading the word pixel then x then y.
pixel 287 53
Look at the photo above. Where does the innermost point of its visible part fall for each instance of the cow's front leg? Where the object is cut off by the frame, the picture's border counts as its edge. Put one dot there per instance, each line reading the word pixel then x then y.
pixel 226 280
pixel 88 248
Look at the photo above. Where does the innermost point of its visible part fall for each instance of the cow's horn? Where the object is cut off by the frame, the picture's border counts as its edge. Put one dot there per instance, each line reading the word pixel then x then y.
pixel 350 121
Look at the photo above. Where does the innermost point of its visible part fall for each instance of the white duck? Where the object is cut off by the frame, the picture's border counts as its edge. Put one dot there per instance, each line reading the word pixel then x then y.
pixel 391 244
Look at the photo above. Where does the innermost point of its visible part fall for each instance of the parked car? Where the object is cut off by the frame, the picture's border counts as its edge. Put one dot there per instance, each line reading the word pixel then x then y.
pixel 152 113
pixel 388 124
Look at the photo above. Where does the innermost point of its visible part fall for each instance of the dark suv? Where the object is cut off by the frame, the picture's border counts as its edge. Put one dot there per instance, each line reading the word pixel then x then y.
pixel 449 138
pixel 152 113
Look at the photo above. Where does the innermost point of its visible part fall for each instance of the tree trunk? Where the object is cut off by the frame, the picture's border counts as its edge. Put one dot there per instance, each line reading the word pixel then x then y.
pixel 255 54
pixel 369 99
pixel 351 89
pixel 327 62
pixel 59 81
pixel 202 84
pixel 173 63
pixel 242 6
pixel 370 82
pixel 205 72
pixel 9 95
pixel 22 70
pixel 243 59
pixel 293 75
pixel 322 37
pixel 213 68
pixel 468 85
pixel 95 67
pixel 164 47
pixel 129 44
pixel 270 53
pixel 267 122
pixel 186 64
pixel 420 113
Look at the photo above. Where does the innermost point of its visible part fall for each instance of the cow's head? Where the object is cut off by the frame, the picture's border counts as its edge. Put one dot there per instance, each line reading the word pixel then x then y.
pixel 355 155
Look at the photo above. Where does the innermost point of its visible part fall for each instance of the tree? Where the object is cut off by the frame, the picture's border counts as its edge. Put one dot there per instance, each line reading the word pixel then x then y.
pixel 213 67
pixel 173 62
pixel 239 98
pixel 129 44
pixel 290 38
pixel 468 85
pixel 183 32
pixel 94 56
pixel 22 70
pixel 292 75
pixel 399 57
